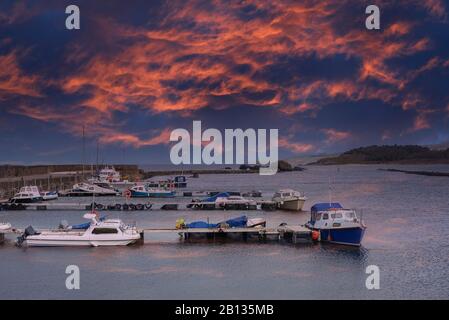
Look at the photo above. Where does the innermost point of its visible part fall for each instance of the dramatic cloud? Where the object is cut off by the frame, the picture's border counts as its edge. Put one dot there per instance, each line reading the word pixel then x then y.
pixel 13 81
pixel 131 73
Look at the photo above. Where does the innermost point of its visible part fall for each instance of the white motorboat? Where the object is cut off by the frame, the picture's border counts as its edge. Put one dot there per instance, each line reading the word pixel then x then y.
pixel 27 194
pixel 142 191
pixel 109 232
pixel 224 200
pixel 110 176
pixel 49 195
pixel 288 199
pixel 4 226
pixel 231 201
pixel 86 190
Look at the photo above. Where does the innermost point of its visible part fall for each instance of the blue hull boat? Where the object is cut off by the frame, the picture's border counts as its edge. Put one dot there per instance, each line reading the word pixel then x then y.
pixel 336 224
pixel 138 194
pixel 347 236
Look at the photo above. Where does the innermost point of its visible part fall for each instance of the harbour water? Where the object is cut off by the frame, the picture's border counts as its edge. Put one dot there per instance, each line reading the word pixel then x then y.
pixel 407 238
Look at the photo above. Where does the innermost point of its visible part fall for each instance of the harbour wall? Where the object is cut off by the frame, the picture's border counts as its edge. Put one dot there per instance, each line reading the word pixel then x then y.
pixel 52 177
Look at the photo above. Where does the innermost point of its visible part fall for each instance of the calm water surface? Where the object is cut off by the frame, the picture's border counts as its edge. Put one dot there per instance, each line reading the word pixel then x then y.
pixel 407 237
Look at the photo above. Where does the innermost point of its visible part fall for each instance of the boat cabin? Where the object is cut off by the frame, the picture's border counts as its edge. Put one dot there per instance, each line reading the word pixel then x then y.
pixel 331 215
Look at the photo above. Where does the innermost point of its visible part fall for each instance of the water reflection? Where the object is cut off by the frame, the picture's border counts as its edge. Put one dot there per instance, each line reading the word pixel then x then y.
pixel 407 218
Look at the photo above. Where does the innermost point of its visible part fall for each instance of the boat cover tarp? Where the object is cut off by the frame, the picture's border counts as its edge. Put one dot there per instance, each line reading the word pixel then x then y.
pixel 218 195
pixel 201 224
pixel 238 222
pixel 84 226
pixel 325 206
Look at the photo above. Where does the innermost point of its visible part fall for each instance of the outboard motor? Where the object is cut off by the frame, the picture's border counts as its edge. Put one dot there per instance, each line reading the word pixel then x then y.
pixel 29 231
pixel 63 225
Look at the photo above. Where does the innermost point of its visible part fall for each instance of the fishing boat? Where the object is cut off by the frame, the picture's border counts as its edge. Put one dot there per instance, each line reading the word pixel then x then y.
pixel 142 191
pixel 27 194
pixel 288 199
pixel 109 232
pixel 87 190
pixel 49 195
pixel 336 224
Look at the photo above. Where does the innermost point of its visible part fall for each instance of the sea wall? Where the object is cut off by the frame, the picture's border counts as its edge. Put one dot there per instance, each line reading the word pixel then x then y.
pixel 52 177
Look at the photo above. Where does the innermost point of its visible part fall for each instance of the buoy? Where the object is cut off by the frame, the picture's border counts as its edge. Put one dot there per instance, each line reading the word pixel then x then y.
pixel 315 235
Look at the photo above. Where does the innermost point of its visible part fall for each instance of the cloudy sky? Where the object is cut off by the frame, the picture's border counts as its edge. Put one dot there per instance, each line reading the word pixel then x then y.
pixel 138 69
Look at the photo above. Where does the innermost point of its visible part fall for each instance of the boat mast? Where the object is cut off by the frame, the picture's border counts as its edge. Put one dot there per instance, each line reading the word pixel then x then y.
pixel 97 158
pixel 84 151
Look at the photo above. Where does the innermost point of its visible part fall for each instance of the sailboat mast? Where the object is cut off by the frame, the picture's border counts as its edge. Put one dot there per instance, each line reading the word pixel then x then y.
pixel 84 150
pixel 97 157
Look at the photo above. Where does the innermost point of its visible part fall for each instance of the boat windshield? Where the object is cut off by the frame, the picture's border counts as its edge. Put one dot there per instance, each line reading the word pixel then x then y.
pixel 336 215
pixel 350 215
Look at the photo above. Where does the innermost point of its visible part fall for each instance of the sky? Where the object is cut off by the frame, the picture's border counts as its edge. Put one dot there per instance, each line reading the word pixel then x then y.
pixel 136 70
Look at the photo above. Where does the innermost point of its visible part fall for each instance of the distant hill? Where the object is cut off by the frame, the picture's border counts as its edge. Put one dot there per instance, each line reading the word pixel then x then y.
pixel 303 160
pixel 406 154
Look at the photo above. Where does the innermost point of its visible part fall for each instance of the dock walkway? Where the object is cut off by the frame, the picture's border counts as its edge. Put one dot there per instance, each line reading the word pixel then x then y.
pixel 295 233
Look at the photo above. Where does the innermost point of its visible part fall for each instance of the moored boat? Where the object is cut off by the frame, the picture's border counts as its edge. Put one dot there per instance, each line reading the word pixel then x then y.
pixel 5 226
pixel 27 194
pixel 110 232
pixel 49 195
pixel 111 178
pixel 87 190
pixel 233 201
pixel 224 200
pixel 171 183
pixel 288 199
pixel 142 191
pixel 336 224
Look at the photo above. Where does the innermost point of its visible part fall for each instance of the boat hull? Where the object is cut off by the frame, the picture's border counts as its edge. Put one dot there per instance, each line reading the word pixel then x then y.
pixel 77 243
pixel 292 205
pixel 346 236
pixel 27 200
pixel 77 193
pixel 136 194
pixel 122 186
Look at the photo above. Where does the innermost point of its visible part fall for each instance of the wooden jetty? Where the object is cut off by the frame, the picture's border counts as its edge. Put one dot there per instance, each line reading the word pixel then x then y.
pixel 293 233
pixel 290 233
pixel 130 206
